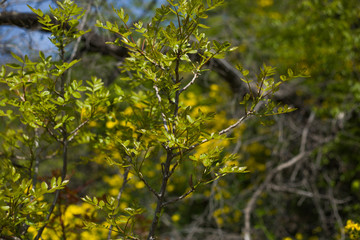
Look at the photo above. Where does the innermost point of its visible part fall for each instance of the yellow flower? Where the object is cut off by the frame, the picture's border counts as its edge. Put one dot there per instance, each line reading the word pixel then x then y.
pixel 114 181
pixel 287 238
pixel 207 193
pixel 128 111
pixel 237 215
pixel 139 184
pixel 352 226
pixel 94 234
pixel 92 124
pixel 313 238
pixel 214 87
pixel 299 236
pixel 111 124
pixel 265 3
pixel 32 230
pixel 114 191
pixel 175 217
pixel 123 205
pixel 219 221
pixel 275 15
pixel 171 187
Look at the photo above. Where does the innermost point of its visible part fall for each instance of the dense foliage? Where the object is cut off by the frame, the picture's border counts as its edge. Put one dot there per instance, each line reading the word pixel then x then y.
pixel 161 143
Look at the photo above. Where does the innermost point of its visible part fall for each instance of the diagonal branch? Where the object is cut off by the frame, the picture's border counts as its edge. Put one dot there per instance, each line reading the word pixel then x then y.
pixel 94 42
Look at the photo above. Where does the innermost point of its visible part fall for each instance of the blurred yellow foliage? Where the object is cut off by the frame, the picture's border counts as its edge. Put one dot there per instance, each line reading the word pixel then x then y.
pixel 265 3
pixel 299 236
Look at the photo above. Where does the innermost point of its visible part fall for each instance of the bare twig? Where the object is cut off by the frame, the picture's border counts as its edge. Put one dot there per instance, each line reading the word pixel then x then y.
pixel 148 185
pixel 224 131
pixel 76 130
pixel 162 114
pixel 294 160
pixel 231 127
pixel 306 131
pixel 334 207
pixel 81 27
pixel 180 197
pixel 196 75
pixel 304 193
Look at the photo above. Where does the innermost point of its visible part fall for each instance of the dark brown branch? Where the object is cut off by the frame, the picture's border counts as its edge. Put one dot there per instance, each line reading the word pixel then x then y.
pixel 22 20
pixel 96 43
pixel 93 41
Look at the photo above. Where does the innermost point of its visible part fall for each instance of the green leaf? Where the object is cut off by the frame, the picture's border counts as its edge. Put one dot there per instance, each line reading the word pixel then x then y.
pixel 290 72
pixel 5 208
pixel 76 95
pixel 44 186
pixel 42 56
pixel 17 57
pixel 203 26
pixel 58 125
pixel 14 65
pixel 53 182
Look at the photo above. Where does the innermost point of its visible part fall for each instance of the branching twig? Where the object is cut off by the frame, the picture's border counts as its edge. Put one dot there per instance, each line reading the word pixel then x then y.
pixel 81 27
pixel 125 180
pixel 251 203
pixel 180 197
pixel 334 207
pixel 196 75
pixel 76 130
pixel 305 193
pixel 162 114
pixel 148 185
pixel 161 200
pixel 231 127
pixel 224 131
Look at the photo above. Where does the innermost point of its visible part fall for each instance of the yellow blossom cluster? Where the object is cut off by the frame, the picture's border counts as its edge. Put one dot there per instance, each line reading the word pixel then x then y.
pixel 71 220
pixel 353 229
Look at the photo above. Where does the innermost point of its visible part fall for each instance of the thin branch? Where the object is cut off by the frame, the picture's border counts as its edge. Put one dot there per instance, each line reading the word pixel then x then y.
pixel 224 131
pixel 76 130
pixel 37 158
pixel 306 131
pixel 148 185
pixel 9 237
pixel 231 127
pixel 57 193
pixel 51 133
pixel 180 197
pixel 125 180
pixel 161 200
pixel 305 193
pixel 196 75
pixel 162 114
pixel 251 203
pixel 81 27
pixel 303 143
pixel 334 207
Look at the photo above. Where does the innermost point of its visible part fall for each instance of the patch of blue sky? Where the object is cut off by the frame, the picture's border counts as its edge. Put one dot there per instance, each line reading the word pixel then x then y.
pixel 22 41
pixel 30 42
